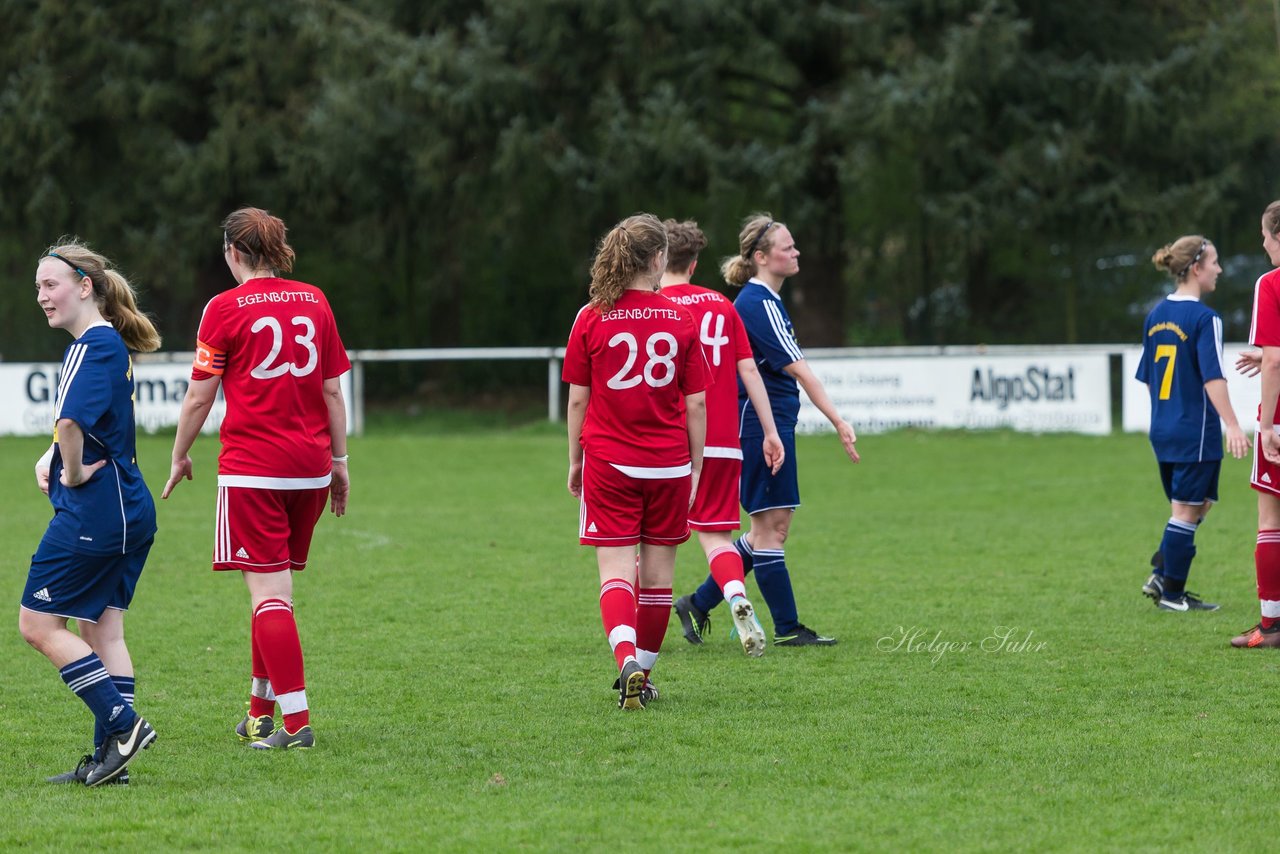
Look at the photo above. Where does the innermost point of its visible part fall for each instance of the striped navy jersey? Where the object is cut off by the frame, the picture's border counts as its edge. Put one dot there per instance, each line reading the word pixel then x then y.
pixel 113 512
pixel 773 345
pixel 1181 351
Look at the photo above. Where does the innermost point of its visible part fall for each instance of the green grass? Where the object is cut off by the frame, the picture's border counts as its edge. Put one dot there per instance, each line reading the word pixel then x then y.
pixel 459 676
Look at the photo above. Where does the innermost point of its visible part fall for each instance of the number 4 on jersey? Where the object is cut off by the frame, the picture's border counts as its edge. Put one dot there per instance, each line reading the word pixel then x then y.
pixel 713 343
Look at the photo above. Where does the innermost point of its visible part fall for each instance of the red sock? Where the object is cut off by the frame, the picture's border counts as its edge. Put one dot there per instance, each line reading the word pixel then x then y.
pixel 258 706
pixel 281 650
pixel 652 613
pixel 1266 559
pixel 726 568
pixel 618 612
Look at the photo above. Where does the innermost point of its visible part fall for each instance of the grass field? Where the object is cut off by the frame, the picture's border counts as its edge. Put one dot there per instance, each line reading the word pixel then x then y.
pixel 459 676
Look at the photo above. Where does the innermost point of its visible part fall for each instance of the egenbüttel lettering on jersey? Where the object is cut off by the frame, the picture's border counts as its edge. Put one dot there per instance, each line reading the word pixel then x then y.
pixel 273 342
pixel 640 359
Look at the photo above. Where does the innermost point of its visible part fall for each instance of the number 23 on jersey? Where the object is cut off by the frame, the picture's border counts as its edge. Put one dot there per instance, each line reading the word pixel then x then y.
pixel 211 360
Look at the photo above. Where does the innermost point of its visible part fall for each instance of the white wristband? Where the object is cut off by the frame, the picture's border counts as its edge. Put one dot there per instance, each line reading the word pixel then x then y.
pixel 341 459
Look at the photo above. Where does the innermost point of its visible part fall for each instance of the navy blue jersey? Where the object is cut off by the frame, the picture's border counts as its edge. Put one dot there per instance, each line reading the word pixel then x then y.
pixel 1181 351
pixel 773 345
pixel 113 512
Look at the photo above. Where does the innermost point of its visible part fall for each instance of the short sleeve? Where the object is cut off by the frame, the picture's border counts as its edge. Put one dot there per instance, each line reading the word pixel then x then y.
pixel 695 374
pixel 1209 347
pixel 742 344
pixel 577 359
pixel 336 362
pixel 211 345
pixel 84 394
pixel 771 337
pixel 1265 329
pixel 1144 361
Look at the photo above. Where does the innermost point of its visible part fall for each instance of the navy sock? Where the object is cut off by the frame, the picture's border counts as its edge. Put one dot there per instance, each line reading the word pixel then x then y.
pixel 125 685
pixel 1179 549
pixel 775 585
pixel 748 556
pixel 709 594
pixel 92 684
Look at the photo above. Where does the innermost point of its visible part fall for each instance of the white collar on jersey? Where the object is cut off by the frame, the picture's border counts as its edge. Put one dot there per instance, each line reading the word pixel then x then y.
pixel 1182 298
pixel 754 281
pixel 95 324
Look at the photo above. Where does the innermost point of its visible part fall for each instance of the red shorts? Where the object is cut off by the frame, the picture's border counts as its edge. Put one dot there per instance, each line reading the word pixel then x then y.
pixel 265 530
pixel 715 507
pixel 1266 475
pixel 620 510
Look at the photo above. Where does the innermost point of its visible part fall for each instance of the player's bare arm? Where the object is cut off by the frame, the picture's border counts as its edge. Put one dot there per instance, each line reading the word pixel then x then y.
pixel 42 470
pixel 774 453
pixel 1237 442
pixel 71 439
pixel 803 374
pixel 340 482
pixel 1267 439
pixel 1250 363
pixel 696 423
pixel 576 415
pixel 195 409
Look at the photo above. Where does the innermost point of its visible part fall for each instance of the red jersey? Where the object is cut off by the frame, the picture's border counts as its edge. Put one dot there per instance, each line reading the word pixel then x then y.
pixel 640 359
pixel 1264 331
pixel 274 342
pixel 724 343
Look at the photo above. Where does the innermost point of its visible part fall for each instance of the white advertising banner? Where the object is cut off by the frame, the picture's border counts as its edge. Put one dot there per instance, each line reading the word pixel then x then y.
pixel 27 392
pixel 1246 392
pixel 1050 393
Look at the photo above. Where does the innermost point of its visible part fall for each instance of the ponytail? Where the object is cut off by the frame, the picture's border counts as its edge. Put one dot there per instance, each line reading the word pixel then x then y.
pixel 755 236
pixel 1177 258
pixel 625 253
pixel 120 306
pixel 260 239
pixel 112 292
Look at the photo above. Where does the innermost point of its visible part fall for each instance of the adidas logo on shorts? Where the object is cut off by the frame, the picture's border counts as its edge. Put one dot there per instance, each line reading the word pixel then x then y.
pixel 242 554
pixel 43 595
pixel 591 529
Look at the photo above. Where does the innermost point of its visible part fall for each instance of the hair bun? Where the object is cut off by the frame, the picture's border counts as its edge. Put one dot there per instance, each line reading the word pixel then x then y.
pixel 1163 258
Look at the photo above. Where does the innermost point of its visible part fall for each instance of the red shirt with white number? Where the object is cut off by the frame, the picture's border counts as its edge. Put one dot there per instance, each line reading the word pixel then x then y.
pixel 724 343
pixel 640 359
pixel 274 342
pixel 1264 331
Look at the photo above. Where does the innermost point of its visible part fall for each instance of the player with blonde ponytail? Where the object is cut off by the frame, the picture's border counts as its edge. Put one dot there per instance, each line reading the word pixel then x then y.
pixel 1182 368
pixel 89 561
pixel 767 256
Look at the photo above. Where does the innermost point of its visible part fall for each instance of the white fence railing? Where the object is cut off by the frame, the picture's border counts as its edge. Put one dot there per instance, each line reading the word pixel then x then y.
pixel 1043 388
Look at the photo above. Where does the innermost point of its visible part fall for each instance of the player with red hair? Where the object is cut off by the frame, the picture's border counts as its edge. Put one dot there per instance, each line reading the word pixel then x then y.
pixel 273 346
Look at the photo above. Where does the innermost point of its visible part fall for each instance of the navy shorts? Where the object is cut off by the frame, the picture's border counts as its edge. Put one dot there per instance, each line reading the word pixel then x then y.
pixel 1191 483
pixel 762 490
pixel 80 586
